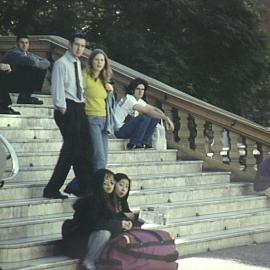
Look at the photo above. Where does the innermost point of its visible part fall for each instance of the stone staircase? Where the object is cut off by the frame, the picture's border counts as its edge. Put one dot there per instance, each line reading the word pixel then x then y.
pixel 204 210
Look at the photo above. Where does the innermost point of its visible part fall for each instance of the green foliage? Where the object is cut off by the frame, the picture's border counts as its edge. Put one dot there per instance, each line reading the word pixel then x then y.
pixel 215 50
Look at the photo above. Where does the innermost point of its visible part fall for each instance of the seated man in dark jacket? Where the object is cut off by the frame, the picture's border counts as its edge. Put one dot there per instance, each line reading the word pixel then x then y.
pixel 4 96
pixel 26 75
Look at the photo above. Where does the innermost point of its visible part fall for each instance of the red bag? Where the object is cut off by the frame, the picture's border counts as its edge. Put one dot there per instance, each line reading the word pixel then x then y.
pixel 139 250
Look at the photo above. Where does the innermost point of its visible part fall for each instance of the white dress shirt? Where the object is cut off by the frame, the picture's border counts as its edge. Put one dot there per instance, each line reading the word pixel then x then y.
pixel 64 81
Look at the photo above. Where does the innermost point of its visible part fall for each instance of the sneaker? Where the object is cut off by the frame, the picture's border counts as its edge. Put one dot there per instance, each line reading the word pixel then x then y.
pixel 8 110
pixel 54 195
pixel 29 100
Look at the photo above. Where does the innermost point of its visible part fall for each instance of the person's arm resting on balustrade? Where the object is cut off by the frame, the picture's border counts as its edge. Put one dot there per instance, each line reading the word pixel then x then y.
pixel 155 113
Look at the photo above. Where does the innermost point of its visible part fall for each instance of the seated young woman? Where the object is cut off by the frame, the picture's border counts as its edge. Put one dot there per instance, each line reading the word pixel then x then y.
pixel 94 222
pixel 120 195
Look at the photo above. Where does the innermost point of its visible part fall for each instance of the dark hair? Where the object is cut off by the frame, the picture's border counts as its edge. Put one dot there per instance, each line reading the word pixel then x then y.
pixel 21 36
pixel 76 35
pixel 98 180
pixel 105 200
pixel 134 83
pixel 118 177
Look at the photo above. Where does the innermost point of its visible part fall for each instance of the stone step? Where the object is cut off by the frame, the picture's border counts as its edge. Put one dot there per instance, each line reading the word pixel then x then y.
pixel 30 133
pixel 51 224
pixel 49 145
pixel 35 207
pixel 51 263
pixel 173 211
pixel 20 121
pixel 32 110
pixel 36 145
pixel 43 173
pixel 50 158
pixel 46 246
pixel 185 194
pixel 27 189
pixel 41 206
pixel 47 99
pixel 29 248
pixel 26 227
pixel 219 240
pixel 214 222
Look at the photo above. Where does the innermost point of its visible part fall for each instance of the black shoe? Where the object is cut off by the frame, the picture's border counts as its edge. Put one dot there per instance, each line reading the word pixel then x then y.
pixel 55 195
pixel 131 146
pixel 29 100
pixel 8 110
pixel 69 190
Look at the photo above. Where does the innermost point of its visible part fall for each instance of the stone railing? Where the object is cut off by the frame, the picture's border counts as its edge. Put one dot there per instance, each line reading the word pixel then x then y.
pixel 225 141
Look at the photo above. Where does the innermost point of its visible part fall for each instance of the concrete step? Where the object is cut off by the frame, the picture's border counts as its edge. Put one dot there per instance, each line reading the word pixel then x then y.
pixel 29 248
pixel 32 110
pixel 46 246
pixel 50 158
pixel 23 189
pixel 219 240
pixel 36 145
pixel 214 222
pixel 35 207
pixel 51 224
pixel 47 99
pixel 186 194
pixel 20 121
pixel 43 173
pixel 180 180
pixel 25 133
pixel 26 227
pixel 173 211
pixel 51 263
pixel 50 145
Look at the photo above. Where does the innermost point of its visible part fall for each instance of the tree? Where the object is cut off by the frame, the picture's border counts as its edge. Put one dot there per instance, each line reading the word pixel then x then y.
pixel 214 50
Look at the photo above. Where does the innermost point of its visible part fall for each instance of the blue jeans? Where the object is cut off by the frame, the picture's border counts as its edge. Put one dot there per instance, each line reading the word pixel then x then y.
pixel 96 242
pixel 99 141
pixel 139 130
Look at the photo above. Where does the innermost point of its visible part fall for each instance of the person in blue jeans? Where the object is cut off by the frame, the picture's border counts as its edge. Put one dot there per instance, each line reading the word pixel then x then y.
pixel 143 117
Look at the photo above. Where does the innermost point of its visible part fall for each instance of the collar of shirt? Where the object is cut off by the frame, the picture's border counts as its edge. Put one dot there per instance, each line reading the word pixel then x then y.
pixel 71 58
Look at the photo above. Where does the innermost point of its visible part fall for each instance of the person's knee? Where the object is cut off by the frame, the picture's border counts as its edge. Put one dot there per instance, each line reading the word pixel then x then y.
pixel 104 235
pixel 146 118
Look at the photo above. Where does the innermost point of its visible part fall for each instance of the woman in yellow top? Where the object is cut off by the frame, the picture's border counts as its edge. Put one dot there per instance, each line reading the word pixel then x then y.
pixel 97 88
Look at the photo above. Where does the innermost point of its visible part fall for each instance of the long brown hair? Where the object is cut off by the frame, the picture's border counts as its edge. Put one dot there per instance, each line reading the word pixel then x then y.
pixel 106 73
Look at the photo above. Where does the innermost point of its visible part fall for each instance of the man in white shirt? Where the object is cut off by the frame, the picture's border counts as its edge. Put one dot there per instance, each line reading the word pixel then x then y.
pixel 141 127
pixel 69 115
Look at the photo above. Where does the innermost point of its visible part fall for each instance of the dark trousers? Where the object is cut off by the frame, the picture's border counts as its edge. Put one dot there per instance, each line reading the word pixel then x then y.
pixel 76 149
pixel 139 130
pixel 23 79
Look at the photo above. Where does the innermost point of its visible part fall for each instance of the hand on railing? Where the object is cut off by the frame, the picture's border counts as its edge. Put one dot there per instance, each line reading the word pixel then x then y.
pixel 169 124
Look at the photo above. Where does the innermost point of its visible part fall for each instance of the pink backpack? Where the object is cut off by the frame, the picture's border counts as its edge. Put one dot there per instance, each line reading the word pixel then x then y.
pixel 139 250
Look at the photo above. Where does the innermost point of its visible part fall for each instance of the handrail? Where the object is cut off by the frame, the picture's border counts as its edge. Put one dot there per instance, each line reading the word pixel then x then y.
pixel 177 98
pixel 13 156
